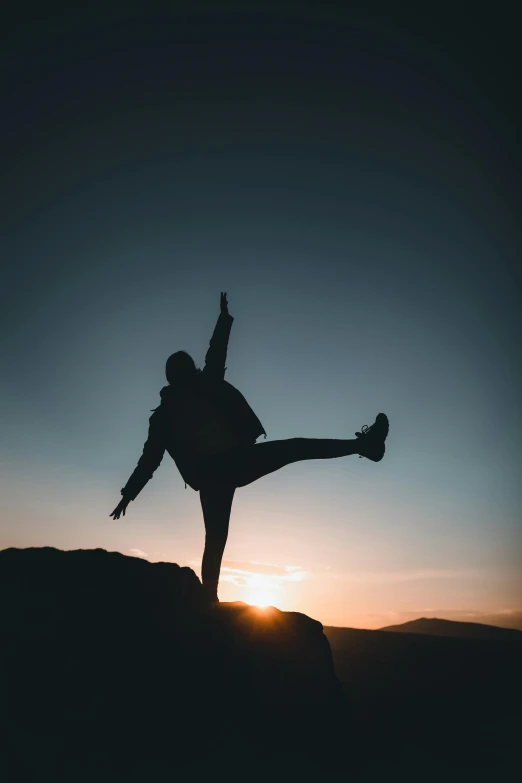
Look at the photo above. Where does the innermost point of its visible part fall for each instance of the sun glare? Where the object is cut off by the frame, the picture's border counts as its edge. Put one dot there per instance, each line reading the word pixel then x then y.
pixel 261 598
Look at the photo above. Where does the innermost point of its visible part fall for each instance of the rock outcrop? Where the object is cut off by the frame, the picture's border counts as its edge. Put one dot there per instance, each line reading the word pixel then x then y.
pixel 111 664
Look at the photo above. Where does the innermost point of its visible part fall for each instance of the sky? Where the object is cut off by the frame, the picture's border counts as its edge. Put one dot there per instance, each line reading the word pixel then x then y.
pixel 351 181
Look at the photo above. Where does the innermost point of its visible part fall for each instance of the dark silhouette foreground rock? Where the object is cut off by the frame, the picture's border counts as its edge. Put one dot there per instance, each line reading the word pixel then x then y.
pixel 110 663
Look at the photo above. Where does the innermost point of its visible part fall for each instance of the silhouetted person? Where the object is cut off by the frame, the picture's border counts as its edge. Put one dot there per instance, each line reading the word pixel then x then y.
pixel 210 431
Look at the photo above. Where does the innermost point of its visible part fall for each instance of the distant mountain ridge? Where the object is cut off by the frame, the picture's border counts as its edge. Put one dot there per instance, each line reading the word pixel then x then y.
pixel 433 626
pixel 457 697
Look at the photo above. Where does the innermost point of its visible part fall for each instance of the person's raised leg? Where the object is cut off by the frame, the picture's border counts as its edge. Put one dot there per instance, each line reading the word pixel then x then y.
pixel 216 503
pixel 247 464
pixel 265 458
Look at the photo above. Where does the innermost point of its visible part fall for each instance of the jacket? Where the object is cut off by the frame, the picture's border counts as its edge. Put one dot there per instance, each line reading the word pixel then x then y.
pixel 180 417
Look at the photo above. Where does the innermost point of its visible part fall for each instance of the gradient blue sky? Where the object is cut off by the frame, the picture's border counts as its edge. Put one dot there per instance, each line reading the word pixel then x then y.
pixel 351 183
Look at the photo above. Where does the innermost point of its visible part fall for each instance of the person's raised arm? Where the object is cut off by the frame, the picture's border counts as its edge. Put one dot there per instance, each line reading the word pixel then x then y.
pixel 153 452
pixel 216 356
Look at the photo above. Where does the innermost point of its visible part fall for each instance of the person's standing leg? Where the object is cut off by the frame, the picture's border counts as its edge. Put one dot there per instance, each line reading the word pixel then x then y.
pixel 216 503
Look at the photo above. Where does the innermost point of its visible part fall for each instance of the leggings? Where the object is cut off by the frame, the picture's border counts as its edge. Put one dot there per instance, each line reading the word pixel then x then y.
pixel 220 474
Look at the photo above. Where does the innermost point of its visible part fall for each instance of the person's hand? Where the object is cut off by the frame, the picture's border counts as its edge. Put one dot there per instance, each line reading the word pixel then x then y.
pixel 224 303
pixel 120 508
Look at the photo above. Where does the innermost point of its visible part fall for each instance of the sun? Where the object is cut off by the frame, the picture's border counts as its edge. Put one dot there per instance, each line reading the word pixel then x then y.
pixel 261 591
pixel 261 598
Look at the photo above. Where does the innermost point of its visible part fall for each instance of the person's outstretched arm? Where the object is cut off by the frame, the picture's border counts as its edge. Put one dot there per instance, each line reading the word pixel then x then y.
pixel 217 352
pixel 153 452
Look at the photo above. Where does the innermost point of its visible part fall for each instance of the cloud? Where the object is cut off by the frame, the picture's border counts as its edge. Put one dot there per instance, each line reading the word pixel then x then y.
pixel 138 552
pixel 235 579
pixel 392 577
pixel 250 569
pixel 250 573
pixel 253 567
pixel 240 571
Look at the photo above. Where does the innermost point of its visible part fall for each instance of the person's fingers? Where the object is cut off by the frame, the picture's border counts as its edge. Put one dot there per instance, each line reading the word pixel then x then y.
pixel 116 514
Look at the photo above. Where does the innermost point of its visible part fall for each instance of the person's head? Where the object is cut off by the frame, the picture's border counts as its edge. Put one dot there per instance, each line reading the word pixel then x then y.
pixel 180 369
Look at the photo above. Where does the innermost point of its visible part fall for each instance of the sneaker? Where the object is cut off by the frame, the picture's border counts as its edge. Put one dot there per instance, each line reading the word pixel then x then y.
pixel 372 438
